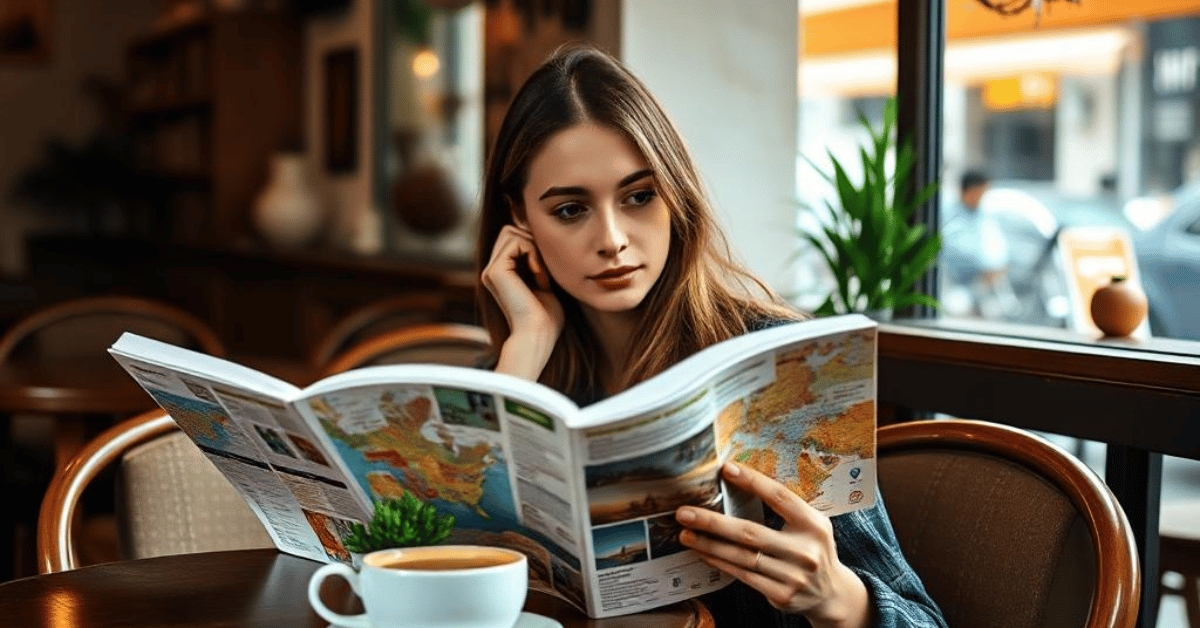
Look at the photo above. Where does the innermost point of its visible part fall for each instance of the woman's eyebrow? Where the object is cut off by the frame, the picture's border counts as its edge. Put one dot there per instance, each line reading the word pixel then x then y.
pixel 574 190
pixel 640 174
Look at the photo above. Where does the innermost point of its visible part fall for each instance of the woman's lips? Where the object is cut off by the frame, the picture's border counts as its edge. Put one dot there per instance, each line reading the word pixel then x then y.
pixel 616 277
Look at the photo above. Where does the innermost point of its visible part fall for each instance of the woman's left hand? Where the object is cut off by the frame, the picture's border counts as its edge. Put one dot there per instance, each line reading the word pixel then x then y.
pixel 796 568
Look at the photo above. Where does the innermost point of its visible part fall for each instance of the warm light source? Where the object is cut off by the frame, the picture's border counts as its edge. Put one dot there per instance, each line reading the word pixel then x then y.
pixel 1035 90
pixel 1094 51
pixel 425 64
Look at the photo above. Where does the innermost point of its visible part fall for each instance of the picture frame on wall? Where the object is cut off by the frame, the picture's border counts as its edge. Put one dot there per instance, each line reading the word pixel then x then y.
pixel 341 110
pixel 26 28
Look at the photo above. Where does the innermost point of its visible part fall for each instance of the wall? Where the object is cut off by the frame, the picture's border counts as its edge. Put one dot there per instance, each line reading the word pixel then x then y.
pixel 350 213
pixel 726 72
pixel 46 100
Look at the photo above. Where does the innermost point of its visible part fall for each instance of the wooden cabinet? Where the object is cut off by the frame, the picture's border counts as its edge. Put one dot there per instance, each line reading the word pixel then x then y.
pixel 208 103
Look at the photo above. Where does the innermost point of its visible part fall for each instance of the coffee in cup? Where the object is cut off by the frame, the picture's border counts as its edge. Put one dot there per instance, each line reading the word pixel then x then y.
pixel 465 586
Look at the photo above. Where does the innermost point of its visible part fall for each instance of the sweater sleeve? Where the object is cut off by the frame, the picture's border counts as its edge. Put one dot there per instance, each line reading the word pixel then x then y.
pixel 868 546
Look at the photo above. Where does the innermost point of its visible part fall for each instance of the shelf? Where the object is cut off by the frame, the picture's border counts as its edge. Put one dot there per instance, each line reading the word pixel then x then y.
pixel 198 104
pixel 177 176
pixel 162 41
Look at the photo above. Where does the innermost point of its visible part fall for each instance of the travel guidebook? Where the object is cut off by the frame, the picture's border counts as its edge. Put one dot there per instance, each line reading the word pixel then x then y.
pixel 588 494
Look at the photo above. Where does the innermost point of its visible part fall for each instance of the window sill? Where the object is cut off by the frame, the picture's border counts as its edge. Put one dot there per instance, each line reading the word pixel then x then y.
pixel 1143 394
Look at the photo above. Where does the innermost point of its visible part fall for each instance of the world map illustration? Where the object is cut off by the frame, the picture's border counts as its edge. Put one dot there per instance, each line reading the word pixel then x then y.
pixel 401 440
pixel 813 428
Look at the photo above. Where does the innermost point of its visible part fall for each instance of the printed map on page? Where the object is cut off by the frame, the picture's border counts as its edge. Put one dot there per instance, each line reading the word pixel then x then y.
pixel 442 445
pixel 445 446
pixel 816 438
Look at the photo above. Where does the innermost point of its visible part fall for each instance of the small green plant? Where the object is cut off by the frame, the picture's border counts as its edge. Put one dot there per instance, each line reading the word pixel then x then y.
pixel 404 522
pixel 875 255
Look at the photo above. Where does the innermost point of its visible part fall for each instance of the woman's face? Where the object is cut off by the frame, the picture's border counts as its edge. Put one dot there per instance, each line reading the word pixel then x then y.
pixel 592 204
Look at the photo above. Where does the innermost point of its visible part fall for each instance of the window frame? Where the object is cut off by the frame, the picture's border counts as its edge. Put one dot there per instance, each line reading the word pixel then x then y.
pixel 1140 397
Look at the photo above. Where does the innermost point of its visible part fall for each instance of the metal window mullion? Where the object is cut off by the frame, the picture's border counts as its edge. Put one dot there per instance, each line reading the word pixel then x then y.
pixel 920 60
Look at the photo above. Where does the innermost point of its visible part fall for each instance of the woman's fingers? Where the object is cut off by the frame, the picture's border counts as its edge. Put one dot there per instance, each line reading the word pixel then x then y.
pixel 774 563
pixel 786 503
pixel 528 308
pixel 730 538
pixel 771 588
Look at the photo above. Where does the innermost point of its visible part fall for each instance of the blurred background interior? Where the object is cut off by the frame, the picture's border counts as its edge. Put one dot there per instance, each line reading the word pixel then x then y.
pixel 274 166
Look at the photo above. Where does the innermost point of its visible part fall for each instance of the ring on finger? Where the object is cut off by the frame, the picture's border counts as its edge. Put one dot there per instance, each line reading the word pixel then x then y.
pixel 757 558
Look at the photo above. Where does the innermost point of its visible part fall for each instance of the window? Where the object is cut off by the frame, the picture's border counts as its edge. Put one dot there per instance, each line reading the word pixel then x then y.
pixel 1085 126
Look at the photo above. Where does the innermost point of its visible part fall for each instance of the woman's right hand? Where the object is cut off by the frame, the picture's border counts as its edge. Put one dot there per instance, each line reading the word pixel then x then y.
pixel 535 317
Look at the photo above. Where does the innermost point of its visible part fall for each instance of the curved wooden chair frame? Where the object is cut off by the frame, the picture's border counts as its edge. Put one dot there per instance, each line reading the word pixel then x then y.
pixel 55 541
pixel 342 335
pixel 1118 577
pixel 149 309
pixel 412 337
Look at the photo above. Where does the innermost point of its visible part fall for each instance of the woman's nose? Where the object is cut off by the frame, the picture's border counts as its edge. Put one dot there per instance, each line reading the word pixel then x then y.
pixel 613 237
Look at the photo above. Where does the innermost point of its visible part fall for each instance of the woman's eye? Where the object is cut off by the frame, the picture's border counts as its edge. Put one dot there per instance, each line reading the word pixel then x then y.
pixel 640 197
pixel 568 211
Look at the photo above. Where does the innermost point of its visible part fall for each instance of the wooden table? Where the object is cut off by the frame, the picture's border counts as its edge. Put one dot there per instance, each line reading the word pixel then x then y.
pixel 73 390
pixel 85 387
pixel 241 588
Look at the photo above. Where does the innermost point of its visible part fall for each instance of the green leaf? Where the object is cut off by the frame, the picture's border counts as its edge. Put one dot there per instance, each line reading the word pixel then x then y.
pixel 870 247
pixel 852 200
pixel 836 264
pixel 826 308
pixel 824 175
pixel 404 522
pixel 920 262
pixel 906 300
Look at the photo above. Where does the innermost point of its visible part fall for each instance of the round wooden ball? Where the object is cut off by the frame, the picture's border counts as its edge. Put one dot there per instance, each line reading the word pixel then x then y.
pixel 1118 308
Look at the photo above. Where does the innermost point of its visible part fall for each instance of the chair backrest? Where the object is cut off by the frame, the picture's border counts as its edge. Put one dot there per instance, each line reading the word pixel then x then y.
pixel 173 499
pixel 93 323
pixel 1007 529
pixel 437 343
pixel 379 317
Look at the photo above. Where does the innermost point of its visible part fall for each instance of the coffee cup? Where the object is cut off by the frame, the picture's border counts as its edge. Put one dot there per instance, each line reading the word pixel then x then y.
pixel 442 586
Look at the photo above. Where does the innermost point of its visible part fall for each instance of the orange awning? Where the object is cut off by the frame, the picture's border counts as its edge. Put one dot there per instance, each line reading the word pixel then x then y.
pixel 853 26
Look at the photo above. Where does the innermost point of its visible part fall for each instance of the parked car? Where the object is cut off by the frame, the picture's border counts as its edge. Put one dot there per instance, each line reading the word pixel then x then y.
pixel 1169 261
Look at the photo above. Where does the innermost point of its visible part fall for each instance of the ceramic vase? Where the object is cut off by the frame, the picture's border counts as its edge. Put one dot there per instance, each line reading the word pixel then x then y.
pixel 287 212
pixel 424 196
pixel 1119 307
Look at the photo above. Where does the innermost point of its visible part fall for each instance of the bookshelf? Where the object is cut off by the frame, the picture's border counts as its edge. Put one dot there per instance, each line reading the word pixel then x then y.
pixel 208 102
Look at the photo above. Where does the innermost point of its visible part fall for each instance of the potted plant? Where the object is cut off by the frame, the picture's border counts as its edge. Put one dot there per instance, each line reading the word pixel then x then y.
pixel 404 522
pixel 873 252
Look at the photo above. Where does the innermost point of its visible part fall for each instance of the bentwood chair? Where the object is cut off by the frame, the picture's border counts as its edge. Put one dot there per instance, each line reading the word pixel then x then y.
pixel 455 344
pixel 93 323
pixel 1007 529
pixel 54 364
pixel 173 500
pixel 379 317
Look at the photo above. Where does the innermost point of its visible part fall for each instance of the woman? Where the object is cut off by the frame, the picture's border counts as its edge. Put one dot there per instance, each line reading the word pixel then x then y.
pixel 601 265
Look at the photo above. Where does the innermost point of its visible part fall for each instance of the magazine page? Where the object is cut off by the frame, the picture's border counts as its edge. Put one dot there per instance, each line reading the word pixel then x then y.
pixel 256 440
pixel 633 475
pixel 802 412
pixel 689 376
pixel 205 411
pixel 461 440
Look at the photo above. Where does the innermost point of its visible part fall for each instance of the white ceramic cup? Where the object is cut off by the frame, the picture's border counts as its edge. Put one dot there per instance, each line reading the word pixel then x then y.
pixel 398 593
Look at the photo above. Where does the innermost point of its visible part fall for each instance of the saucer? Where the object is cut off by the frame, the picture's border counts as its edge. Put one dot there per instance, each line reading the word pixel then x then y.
pixel 533 620
pixel 525 620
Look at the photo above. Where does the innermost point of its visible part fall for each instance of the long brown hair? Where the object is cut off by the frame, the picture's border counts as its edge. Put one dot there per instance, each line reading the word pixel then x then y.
pixel 702 297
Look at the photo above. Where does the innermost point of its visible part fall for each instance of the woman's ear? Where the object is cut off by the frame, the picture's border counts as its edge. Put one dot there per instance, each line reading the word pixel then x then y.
pixel 517 212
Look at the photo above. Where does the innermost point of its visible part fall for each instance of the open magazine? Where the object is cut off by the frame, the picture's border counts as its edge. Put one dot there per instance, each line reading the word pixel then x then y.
pixel 589 494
